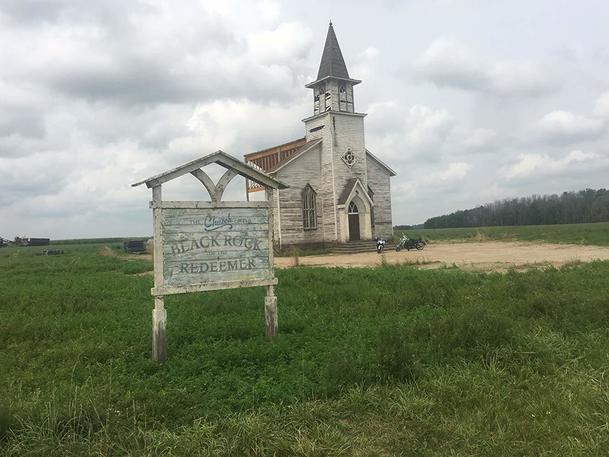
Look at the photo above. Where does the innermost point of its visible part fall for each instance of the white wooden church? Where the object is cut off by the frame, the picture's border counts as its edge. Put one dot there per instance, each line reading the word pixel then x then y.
pixel 339 191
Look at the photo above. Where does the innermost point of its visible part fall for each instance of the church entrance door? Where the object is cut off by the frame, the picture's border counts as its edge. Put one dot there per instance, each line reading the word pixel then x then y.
pixel 353 222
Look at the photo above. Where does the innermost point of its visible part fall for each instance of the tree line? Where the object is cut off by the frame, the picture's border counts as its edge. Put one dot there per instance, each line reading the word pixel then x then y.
pixel 568 208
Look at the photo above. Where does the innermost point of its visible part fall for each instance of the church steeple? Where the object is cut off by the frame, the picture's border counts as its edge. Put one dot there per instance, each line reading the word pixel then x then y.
pixel 333 88
pixel 332 62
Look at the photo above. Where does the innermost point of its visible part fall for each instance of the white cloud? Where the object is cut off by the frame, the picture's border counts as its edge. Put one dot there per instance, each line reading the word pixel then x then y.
pixel 269 10
pixel 242 126
pixel 566 127
pixel 601 107
pixel 448 63
pixel 479 140
pixel 542 164
pixel 454 172
pixel 370 53
pixel 427 129
pixel 289 41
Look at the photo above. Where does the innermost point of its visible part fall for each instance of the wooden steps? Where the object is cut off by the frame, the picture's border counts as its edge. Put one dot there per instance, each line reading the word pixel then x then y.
pixel 355 247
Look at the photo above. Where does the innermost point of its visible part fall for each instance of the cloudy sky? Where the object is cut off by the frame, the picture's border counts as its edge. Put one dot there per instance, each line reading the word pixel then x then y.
pixel 469 101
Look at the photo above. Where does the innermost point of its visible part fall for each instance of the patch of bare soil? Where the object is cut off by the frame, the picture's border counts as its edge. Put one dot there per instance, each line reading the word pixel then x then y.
pixel 483 256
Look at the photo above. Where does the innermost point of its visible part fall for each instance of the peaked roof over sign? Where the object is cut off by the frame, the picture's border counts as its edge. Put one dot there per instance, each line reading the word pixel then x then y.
pixel 332 62
pixel 221 158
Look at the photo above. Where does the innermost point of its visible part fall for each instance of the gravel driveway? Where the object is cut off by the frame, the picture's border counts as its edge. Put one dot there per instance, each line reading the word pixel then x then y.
pixel 488 255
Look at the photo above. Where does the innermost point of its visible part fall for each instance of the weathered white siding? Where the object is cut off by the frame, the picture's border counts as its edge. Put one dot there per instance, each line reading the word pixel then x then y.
pixel 378 181
pixel 303 170
pixel 326 198
pixel 347 132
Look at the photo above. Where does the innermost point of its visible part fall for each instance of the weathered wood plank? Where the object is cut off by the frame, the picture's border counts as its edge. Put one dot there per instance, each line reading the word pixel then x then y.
pixel 270 301
pixel 222 183
pixel 205 204
pixel 206 246
pixel 206 181
pixel 159 321
pixel 170 290
pixel 270 313
pixel 157 214
pixel 159 315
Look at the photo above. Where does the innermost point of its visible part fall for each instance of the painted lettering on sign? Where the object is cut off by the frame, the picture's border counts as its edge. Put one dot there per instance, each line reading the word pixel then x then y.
pixel 206 242
pixel 203 246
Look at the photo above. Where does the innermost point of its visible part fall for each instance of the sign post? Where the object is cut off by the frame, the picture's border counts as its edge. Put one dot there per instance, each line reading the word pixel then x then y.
pixel 210 245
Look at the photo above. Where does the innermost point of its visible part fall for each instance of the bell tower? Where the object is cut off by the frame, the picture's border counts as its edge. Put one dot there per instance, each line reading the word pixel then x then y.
pixel 333 88
pixel 340 128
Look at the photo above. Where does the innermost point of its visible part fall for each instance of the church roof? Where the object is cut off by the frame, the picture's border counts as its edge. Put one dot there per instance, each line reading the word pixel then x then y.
pixel 332 62
pixel 272 159
pixel 304 149
pixel 277 153
pixel 381 163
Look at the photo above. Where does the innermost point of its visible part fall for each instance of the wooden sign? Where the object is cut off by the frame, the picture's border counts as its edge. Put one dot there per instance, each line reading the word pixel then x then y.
pixel 214 248
pixel 201 246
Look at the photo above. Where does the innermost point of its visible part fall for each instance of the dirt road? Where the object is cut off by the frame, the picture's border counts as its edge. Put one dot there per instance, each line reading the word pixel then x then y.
pixel 489 255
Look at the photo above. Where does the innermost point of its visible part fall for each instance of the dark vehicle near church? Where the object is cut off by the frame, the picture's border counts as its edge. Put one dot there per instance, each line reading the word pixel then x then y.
pixel 409 243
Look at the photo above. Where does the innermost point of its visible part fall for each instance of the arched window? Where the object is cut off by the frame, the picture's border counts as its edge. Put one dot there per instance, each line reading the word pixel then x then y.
pixel 352 208
pixel 309 208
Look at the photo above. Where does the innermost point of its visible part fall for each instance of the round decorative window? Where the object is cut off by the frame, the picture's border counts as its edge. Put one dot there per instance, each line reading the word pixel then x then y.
pixel 349 157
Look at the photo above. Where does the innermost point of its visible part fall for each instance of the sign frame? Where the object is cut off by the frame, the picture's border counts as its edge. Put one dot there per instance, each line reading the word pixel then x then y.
pixel 158 206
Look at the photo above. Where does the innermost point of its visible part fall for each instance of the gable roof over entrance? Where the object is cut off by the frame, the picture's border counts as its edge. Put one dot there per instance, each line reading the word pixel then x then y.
pixel 353 186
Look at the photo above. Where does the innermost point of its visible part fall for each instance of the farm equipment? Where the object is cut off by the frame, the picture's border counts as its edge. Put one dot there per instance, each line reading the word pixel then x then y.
pixel 409 243
pixel 22 241
pixel 134 246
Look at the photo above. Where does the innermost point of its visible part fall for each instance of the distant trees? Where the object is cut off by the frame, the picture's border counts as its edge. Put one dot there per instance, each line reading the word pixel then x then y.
pixel 568 208
pixel 408 227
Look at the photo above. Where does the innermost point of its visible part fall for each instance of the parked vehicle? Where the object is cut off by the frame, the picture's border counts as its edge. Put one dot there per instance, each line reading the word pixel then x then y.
pixel 409 243
pixel 134 246
pixel 24 241
pixel 380 245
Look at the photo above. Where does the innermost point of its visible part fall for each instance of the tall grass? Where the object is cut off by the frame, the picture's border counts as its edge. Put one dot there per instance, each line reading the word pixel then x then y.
pixel 385 361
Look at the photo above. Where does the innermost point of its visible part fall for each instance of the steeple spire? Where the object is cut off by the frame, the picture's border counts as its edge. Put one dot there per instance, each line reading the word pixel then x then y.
pixel 333 88
pixel 332 62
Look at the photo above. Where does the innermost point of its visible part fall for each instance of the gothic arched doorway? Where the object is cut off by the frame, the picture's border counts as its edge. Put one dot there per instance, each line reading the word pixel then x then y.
pixel 353 213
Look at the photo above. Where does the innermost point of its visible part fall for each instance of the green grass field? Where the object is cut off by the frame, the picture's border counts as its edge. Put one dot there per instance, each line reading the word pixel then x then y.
pixel 369 362
pixel 595 233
